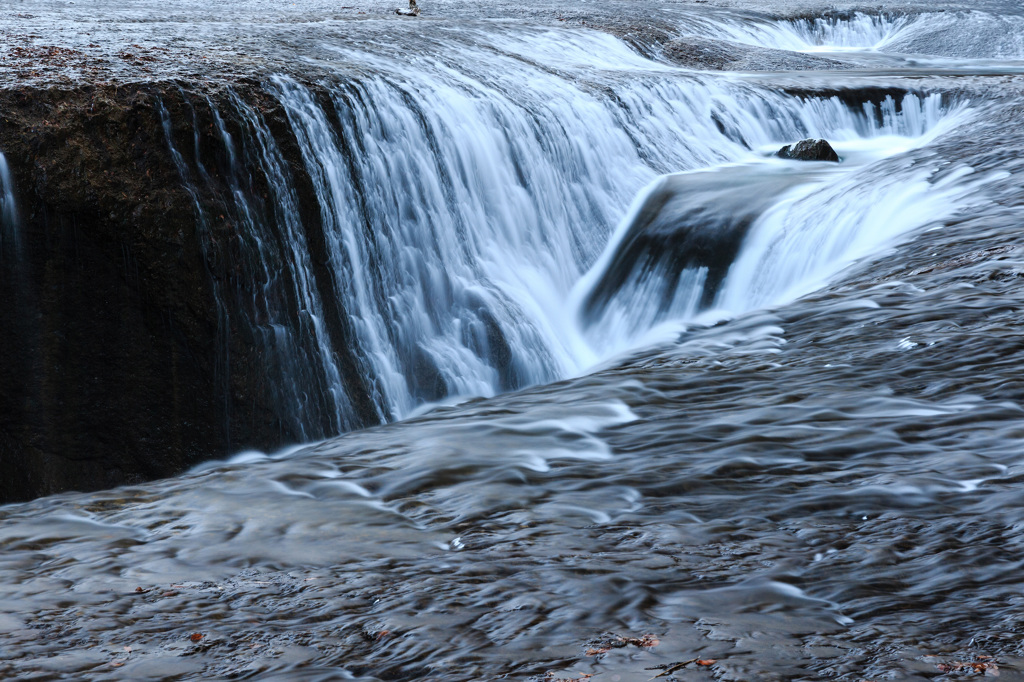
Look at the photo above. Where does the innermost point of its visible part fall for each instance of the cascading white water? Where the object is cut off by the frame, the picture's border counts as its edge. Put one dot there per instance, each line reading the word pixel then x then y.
pixel 9 230
pixel 973 35
pixel 288 244
pixel 464 196
pixel 661 268
pixel 306 379
pixel 861 31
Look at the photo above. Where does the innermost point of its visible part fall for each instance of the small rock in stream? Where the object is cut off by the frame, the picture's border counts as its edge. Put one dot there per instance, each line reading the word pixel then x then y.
pixel 809 150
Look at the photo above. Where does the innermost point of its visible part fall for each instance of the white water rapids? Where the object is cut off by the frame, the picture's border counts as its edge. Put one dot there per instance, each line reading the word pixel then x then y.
pixel 467 192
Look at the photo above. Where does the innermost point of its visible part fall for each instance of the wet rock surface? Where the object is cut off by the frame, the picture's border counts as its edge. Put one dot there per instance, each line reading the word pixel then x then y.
pixel 62 42
pixel 700 53
pixel 809 150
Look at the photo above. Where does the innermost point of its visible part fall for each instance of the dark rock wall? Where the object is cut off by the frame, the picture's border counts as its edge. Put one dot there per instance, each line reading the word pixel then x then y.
pixel 129 331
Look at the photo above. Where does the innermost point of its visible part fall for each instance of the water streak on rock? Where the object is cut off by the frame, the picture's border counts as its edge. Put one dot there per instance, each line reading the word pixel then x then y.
pixel 9 232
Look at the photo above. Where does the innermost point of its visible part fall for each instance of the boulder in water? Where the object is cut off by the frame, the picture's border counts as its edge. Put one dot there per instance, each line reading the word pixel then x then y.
pixel 413 10
pixel 809 150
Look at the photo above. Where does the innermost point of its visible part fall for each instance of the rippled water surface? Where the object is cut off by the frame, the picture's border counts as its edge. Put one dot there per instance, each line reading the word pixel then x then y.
pixel 812 470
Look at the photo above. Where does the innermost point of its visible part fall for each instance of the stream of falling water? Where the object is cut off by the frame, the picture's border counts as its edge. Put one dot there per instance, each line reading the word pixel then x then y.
pixel 9 232
pixel 462 208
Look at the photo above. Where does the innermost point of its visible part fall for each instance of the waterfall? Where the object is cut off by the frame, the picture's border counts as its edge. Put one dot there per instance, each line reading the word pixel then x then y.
pixel 857 32
pixel 463 210
pixel 474 203
pixel 9 228
pixel 722 241
pixel 927 37
pixel 271 289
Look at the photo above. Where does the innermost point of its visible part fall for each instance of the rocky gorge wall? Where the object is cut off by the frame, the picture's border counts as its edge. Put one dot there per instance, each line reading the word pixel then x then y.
pixel 130 336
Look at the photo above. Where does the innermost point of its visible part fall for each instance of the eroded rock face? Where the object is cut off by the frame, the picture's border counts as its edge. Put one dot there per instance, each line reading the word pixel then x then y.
pixel 130 348
pixel 809 150
pixel 688 222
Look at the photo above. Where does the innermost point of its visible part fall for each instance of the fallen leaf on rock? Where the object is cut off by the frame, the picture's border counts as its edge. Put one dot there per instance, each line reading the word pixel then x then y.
pixel 989 669
pixel 618 641
pixel 707 661
pixel 646 641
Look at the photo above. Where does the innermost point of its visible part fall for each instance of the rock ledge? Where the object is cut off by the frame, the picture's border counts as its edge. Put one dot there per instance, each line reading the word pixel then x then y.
pixel 809 150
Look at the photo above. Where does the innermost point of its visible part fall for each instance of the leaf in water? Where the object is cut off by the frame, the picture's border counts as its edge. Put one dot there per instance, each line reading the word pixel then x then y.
pixel 707 661
pixel 647 641
pixel 196 636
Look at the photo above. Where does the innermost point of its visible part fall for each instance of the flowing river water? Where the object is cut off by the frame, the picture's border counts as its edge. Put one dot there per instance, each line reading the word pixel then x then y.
pixel 660 402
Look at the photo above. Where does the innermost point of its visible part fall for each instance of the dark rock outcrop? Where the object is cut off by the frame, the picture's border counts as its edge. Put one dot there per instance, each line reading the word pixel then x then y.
pixel 809 150
pixel 130 345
